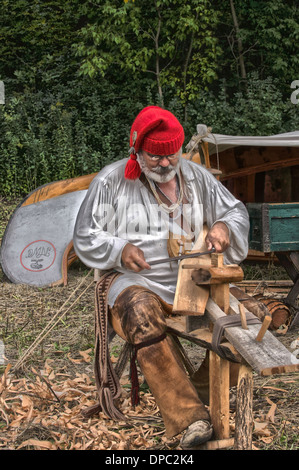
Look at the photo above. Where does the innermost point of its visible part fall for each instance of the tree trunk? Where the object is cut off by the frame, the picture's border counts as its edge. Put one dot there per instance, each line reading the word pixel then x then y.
pixel 158 59
pixel 239 40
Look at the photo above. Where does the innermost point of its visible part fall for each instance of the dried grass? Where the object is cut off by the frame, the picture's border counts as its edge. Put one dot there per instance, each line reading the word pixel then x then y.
pixel 41 404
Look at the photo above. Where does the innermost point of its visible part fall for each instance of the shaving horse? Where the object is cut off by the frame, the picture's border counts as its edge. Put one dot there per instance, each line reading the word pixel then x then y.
pixel 208 315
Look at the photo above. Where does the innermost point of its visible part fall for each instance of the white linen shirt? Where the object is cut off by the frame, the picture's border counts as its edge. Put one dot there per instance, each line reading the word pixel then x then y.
pixel 117 211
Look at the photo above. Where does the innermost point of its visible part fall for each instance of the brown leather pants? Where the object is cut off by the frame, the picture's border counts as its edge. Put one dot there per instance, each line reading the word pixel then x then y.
pixel 137 316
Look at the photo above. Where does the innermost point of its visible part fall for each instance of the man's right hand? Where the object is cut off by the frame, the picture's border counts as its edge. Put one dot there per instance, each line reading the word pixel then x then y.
pixel 133 258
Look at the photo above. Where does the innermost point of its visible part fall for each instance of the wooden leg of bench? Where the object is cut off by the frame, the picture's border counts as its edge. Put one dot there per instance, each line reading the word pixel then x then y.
pixel 219 395
pixel 244 415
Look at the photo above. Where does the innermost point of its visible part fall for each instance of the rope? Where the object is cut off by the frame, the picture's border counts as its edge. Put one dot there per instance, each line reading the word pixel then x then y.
pixel 198 138
pixel 51 323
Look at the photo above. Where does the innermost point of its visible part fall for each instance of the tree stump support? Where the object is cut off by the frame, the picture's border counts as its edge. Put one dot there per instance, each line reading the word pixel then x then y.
pixel 219 370
pixel 244 415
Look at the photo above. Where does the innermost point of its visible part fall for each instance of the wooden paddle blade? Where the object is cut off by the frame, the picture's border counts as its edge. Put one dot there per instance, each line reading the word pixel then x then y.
pixel 36 246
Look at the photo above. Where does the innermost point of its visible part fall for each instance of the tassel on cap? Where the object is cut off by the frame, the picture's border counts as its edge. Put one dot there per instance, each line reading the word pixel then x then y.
pixel 132 170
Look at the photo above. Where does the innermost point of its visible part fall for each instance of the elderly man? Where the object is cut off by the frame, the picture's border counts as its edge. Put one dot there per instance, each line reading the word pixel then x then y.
pixel 150 207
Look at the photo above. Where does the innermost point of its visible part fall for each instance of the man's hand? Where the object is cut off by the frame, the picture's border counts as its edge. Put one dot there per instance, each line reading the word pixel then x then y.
pixel 218 237
pixel 133 258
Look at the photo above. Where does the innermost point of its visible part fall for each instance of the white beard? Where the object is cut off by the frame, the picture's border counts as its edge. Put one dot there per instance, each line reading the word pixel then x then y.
pixel 159 174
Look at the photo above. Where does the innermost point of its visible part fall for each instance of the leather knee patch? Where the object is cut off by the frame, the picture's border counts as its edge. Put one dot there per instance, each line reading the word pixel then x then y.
pixel 140 314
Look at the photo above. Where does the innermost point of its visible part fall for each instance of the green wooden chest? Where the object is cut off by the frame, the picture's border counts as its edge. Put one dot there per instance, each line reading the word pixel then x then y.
pixel 274 226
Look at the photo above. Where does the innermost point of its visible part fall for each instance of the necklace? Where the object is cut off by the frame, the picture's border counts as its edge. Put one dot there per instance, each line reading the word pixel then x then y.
pixel 173 206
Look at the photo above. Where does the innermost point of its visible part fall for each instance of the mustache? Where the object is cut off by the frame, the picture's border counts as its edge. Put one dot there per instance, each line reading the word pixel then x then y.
pixel 161 170
pixel 159 173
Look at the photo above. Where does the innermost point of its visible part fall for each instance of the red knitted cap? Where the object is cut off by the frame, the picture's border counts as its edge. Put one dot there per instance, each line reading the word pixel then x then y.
pixel 156 131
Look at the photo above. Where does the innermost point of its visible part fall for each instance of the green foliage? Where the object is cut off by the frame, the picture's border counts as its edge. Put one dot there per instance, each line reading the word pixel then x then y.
pixel 260 109
pixel 52 136
pixel 172 41
pixel 76 74
pixel 35 38
pixel 269 31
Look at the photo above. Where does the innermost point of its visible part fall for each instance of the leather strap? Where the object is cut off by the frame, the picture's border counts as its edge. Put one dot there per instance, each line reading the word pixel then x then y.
pixel 107 382
pixel 228 321
pixel 133 368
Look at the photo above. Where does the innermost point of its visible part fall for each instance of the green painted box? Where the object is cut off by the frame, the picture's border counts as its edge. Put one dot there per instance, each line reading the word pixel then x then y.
pixel 274 226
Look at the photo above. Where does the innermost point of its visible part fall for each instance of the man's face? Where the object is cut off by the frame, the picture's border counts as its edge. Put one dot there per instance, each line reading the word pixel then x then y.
pixel 159 168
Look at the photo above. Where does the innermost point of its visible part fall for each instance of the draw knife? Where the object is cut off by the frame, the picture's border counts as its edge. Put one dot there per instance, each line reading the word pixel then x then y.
pixel 179 258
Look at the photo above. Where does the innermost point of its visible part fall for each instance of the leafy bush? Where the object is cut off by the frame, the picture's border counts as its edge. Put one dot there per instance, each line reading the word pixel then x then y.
pixel 258 109
pixel 49 136
pixel 78 128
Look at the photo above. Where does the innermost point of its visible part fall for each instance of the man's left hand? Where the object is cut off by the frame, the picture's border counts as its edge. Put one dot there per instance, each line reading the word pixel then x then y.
pixel 218 237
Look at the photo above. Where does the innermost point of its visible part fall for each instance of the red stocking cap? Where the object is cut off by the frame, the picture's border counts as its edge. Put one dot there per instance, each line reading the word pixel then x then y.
pixel 156 131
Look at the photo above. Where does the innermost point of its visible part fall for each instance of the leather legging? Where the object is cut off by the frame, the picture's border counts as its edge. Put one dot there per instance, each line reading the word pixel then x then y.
pixel 138 316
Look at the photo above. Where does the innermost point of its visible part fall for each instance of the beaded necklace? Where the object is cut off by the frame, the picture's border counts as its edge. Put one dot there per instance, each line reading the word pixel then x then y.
pixel 173 206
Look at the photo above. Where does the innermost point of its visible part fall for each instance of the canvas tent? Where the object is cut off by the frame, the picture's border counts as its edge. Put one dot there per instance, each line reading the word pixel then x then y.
pixel 256 168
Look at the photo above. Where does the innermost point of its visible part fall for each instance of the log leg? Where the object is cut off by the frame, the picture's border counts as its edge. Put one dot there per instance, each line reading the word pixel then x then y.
pixel 244 416
pixel 219 368
pixel 219 395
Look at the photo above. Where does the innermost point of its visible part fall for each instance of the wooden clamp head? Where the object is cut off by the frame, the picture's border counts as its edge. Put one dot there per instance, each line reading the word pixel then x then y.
pixel 217 276
pixel 217 273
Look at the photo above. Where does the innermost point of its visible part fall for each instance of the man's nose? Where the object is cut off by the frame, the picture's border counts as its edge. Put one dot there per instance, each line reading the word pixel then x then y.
pixel 164 162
